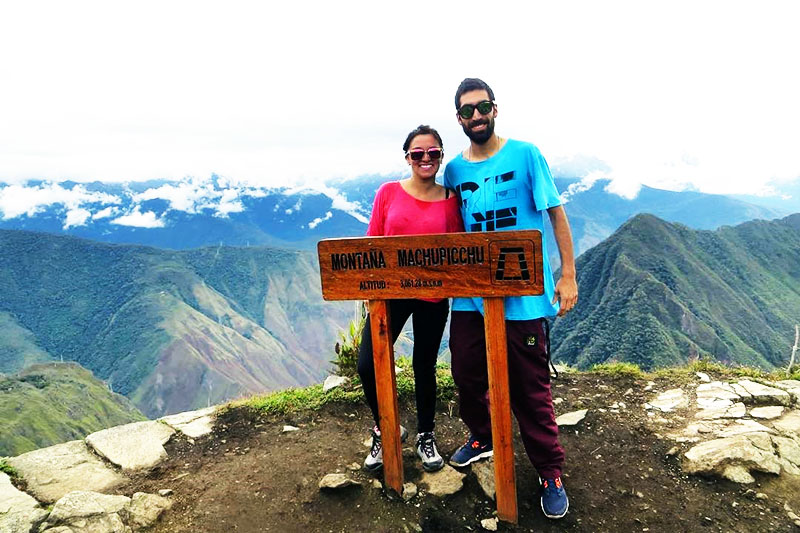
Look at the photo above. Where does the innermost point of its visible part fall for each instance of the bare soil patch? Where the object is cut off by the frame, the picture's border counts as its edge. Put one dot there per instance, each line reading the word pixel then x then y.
pixel 249 476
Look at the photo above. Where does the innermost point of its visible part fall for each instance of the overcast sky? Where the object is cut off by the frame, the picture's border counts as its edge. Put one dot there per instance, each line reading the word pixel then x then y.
pixel 672 94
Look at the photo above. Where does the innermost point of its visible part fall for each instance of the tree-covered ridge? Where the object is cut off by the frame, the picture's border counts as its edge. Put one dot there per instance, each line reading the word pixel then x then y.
pixel 51 403
pixel 171 330
pixel 658 294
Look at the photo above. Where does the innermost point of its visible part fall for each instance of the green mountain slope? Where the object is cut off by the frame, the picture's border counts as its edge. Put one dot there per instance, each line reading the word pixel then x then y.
pixel 18 347
pixel 657 294
pixel 51 403
pixel 171 330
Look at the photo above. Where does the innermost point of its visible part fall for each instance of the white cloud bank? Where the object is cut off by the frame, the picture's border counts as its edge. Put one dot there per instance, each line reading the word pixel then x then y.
pixel 18 200
pixel 672 94
pixel 137 219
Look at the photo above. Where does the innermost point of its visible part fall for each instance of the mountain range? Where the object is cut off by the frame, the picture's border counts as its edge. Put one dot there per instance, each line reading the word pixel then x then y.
pixel 170 330
pixel 196 213
pixel 658 293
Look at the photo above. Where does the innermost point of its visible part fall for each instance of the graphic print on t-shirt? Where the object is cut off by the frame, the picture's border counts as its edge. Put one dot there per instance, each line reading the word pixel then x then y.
pixel 475 198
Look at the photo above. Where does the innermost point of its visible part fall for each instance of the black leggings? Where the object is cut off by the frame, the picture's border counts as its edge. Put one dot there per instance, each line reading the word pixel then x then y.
pixel 428 321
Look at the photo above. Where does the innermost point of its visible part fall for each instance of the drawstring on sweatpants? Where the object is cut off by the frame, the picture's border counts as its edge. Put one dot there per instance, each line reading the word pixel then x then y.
pixel 547 346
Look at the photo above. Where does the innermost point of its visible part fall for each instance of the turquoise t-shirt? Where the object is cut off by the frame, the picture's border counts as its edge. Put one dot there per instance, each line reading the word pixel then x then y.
pixel 509 191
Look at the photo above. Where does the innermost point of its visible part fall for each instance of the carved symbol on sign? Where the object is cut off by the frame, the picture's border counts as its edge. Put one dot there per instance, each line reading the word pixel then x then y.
pixel 519 254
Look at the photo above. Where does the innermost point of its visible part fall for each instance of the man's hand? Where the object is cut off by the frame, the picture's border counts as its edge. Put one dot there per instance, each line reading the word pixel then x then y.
pixel 566 288
pixel 566 294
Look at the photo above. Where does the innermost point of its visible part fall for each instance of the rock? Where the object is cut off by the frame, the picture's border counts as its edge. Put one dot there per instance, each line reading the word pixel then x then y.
pixel 767 413
pixel 376 484
pixel 354 467
pixel 193 424
pixel 764 394
pixel 444 482
pixel 717 390
pixel 90 512
pixel 133 447
pixel 789 452
pixel 289 429
pixel 789 423
pixel 52 472
pixel 13 499
pixel 145 509
pixel 336 481
pixel 22 520
pixel 715 408
pixel 165 492
pixel 737 474
pixel 84 503
pixel 571 419
pixel 409 491
pixel 650 385
pixel 672 452
pixel 331 382
pixel 484 472
pixel 702 376
pixel 732 457
pixel 743 426
pixel 792 386
pixel 489 524
pixel 669 401
pixel 558 401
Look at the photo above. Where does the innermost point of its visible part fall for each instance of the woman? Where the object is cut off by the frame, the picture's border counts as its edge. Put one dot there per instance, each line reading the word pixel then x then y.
pixel 413 206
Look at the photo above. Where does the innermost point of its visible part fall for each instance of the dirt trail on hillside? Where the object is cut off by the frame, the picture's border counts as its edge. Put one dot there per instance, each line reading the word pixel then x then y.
pixel 250 477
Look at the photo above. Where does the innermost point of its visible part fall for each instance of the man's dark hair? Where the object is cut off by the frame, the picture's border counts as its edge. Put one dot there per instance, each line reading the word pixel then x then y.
pixel 472 84
pixel 422 129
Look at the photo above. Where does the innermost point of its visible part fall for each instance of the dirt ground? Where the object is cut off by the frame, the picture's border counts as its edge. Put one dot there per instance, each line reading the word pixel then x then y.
pixel 250 477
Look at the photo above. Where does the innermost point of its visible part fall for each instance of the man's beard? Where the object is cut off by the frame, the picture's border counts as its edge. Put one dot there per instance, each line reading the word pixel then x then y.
pixel 479 137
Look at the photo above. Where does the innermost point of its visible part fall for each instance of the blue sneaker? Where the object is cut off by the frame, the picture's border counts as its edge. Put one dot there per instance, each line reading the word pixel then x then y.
pixel 473 450
pixel 554 498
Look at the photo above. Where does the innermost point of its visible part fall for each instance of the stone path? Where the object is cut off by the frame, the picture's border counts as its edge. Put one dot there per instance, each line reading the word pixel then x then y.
pixel 79 478
pixel 733 429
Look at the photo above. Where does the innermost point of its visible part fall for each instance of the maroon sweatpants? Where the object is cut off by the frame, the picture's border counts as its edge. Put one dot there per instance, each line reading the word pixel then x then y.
pixel 529 384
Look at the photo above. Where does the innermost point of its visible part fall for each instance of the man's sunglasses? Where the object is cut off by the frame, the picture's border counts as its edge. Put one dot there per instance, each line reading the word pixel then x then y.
pixel 417 155
pixel 484 108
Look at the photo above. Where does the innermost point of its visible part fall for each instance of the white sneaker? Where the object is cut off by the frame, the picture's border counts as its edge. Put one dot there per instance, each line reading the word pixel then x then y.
pixel 426 449
pixel 374 460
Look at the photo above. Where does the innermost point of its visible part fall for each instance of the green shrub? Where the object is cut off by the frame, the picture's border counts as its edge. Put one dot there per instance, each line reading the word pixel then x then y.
pixel 346 361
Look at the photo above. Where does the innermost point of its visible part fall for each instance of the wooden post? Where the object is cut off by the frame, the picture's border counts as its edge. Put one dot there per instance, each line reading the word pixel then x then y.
pixel 383 355
pixel 500 408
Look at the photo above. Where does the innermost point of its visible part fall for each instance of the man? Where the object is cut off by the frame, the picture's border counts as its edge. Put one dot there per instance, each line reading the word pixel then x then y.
pixel 505 184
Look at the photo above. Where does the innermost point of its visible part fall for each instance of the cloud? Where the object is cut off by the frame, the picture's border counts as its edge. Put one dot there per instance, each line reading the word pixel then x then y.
pixel 18 200
pixel 338 200
pixel 105 213
pixel 192 195
pixel 76 217
pixel 316 222
pixel 137 219
pixel 583 185
pixel 229 203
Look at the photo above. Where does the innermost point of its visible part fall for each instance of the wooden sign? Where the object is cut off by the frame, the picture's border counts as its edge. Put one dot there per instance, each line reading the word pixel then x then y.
pixel 500 263
pixel 489 265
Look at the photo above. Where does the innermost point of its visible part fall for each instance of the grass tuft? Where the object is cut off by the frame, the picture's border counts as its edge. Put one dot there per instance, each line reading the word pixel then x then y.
pixel 312 398
pixel 618 370
pixel 8 469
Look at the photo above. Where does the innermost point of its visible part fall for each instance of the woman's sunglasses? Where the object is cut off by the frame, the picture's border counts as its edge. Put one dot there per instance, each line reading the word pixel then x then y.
pixel 417 155
pixel 484 108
